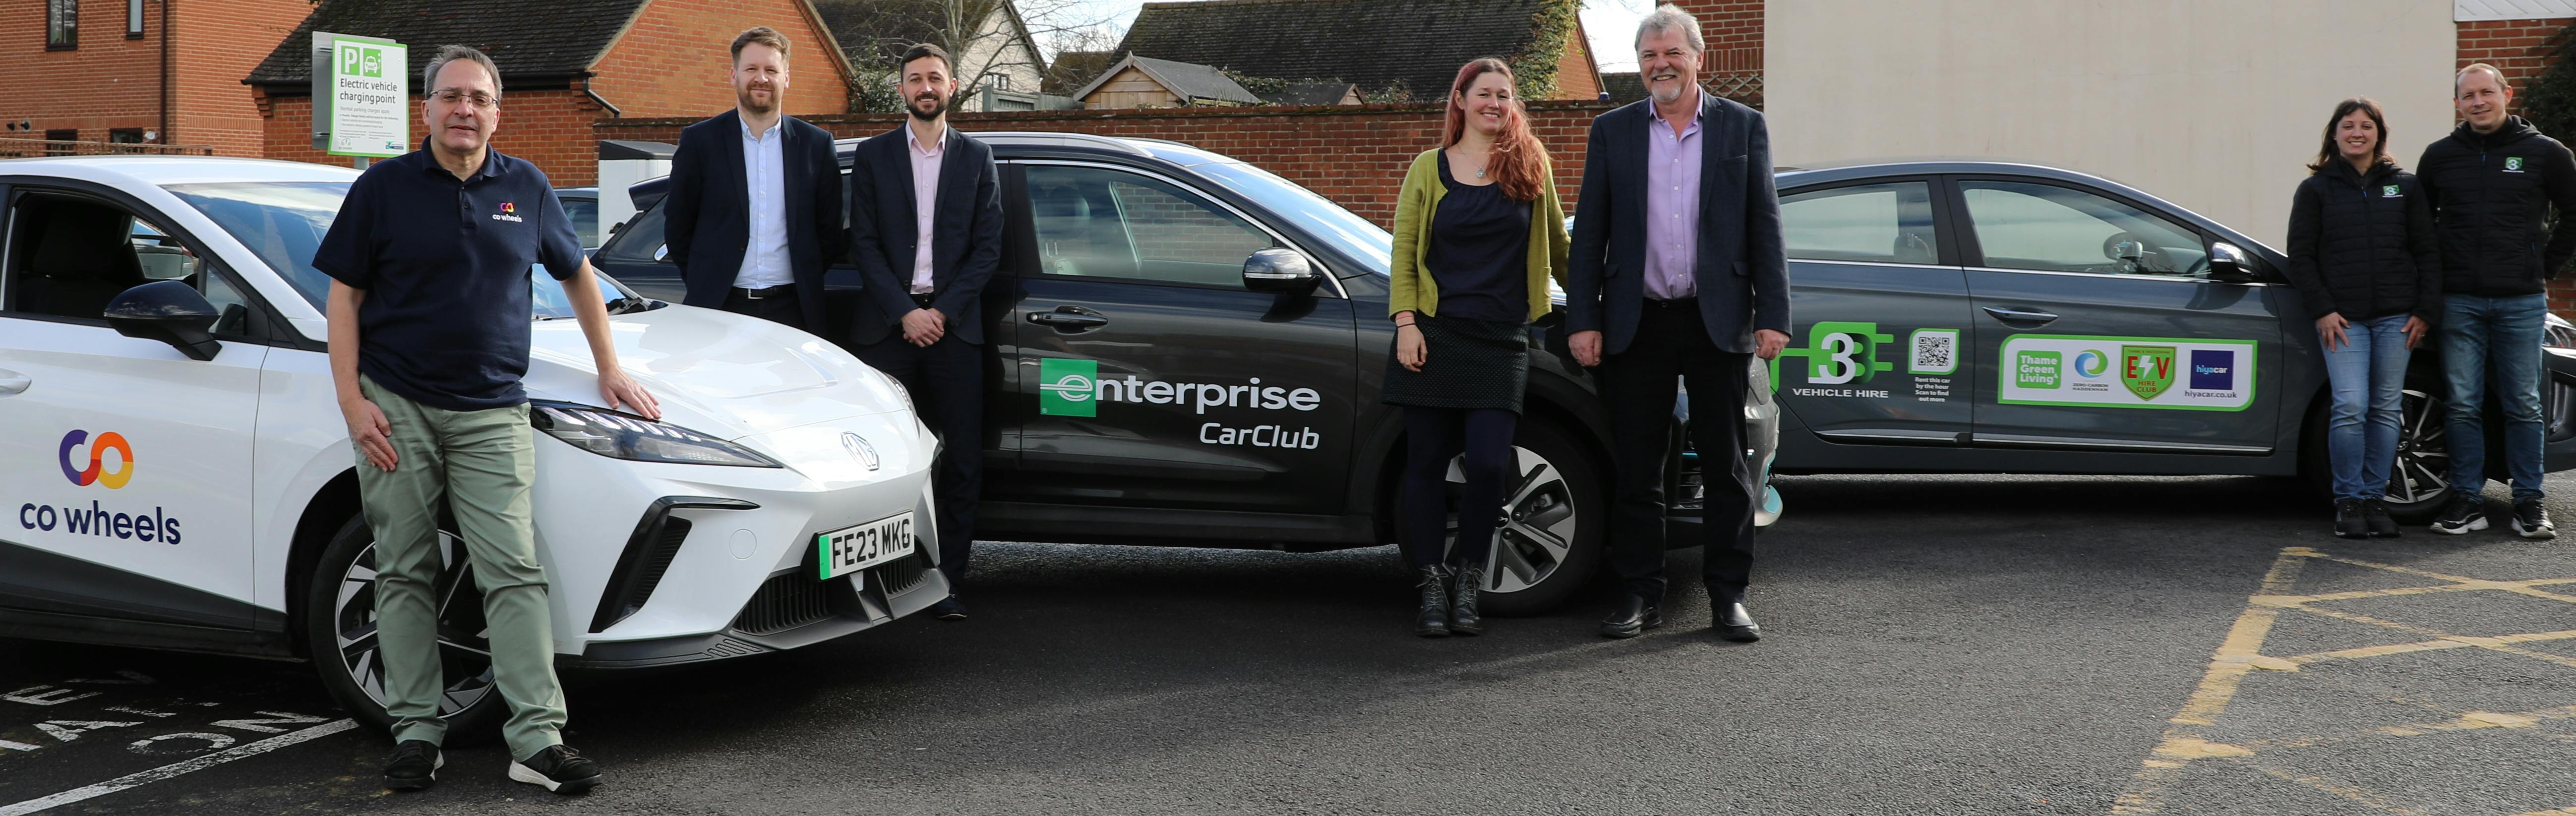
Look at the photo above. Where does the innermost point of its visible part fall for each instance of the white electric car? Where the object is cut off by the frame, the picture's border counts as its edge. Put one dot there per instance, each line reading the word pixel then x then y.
pixel 177 473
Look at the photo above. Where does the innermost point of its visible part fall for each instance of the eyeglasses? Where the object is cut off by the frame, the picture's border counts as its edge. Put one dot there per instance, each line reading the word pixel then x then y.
pixel 451 96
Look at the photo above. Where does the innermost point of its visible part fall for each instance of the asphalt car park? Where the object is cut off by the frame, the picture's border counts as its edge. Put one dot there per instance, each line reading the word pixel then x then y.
pixel 2041 645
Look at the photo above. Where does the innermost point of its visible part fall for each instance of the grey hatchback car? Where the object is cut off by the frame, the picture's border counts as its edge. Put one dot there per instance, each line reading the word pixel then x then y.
pixel 1968 316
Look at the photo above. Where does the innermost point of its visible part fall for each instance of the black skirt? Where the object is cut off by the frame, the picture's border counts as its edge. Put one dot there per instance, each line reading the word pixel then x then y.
pixel 1470 364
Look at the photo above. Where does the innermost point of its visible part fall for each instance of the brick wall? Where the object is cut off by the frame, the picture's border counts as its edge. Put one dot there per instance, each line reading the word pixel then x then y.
pixel 2521 49
pixel 550 128
pixel 112 83
pixel 1355 156
pixel 218 43
pixel 1734 32
pixel 1574 69
pixel 674 60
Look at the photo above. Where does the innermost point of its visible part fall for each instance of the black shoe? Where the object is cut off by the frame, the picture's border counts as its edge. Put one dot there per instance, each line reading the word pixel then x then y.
pixel 2375 514
pixel 1463 589
pixel 2348 520
pixel 949 608
pixel 2463 514
pixel 1734 623
pixel 1432 618
pixel 2530 520
pixel 414 766
pixel 558 768
pixel 1634 617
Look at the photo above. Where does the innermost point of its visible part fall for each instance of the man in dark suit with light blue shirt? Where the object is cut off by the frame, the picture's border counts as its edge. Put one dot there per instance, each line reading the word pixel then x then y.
pixel 754 211
pixel 926 234
pixel 1677 274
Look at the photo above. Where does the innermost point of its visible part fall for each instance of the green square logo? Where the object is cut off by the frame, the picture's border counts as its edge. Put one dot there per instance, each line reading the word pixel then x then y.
pixel 2037 369
pixel 362 60
pixel 1065 387
pixel 2513 164
pixel 2389 191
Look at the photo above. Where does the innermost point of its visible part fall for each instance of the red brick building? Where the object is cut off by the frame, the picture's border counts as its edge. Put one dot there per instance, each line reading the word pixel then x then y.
pixel 565 66
pixel 162 72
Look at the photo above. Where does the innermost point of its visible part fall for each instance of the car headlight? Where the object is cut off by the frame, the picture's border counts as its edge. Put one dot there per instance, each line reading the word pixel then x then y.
pixel 2557 333
pixel 619 436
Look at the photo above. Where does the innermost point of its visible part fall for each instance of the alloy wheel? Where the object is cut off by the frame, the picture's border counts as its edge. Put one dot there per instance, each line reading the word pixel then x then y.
pixel 1537 531
pixel 464 651
pixel 2423 467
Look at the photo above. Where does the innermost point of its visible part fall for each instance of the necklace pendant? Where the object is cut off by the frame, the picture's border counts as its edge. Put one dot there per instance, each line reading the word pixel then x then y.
pixel 1480 172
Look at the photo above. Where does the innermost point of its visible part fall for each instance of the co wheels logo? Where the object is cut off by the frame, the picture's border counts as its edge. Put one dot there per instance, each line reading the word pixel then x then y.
pixel 1067 387
pixel 97 472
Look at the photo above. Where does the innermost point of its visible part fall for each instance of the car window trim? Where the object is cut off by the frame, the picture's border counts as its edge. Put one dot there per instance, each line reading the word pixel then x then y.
pixel 1328 275
pixel 2118 276
pixel 1946 251
pixel 1973 253
pixel 274 330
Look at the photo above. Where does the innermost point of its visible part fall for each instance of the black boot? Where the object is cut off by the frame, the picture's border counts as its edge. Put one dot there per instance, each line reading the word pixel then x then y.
pixel 1432 620
pixel 1462 601
pixel 2348 520
pixel 2374 514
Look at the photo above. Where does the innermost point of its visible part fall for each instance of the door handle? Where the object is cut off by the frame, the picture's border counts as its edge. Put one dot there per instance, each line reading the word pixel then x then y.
pixel 1069 317
pixel 2019 315
pixel 12 382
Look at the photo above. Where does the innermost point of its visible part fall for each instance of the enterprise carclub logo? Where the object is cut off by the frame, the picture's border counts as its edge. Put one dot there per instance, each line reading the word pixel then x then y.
pixel 97 472
pixel 1072 387
pixel 509 212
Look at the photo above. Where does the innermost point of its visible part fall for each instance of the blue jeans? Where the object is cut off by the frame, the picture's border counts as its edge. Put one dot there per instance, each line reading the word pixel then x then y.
pixel 2369 377
pixel 2502 334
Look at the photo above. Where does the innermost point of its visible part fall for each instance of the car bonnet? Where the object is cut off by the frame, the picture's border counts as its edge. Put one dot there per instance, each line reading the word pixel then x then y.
pixel 718 373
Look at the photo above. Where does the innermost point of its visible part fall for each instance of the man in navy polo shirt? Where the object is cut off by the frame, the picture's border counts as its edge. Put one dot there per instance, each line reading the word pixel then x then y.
pixel 429 327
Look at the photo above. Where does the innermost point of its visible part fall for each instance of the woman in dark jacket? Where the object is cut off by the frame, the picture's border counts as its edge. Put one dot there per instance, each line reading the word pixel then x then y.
pixel 2362 253
pixel 1478 233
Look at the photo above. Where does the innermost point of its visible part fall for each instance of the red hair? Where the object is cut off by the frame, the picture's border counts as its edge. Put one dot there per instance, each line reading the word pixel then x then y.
pixel 1518 161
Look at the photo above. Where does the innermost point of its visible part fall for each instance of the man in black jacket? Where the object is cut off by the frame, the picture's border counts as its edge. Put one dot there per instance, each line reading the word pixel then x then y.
pixel 926 234
pixel 753 216
pixel 1678 273
pixel 2492 182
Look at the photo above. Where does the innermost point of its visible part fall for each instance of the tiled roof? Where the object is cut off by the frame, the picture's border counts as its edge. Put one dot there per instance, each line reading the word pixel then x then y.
pixel 1371 43
pixel 1624 87
pixel 1187 81
pixel 875 32
pixel 553 39
pixel 1311 93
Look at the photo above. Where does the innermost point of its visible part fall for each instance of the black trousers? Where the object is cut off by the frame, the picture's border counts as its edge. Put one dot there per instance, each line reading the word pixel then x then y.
pixel 782 309
pixel 946 379
pixel 1433 437
pixel 1637 385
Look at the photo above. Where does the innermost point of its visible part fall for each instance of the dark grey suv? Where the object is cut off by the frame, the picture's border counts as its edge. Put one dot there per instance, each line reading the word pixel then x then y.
pixel 1187 350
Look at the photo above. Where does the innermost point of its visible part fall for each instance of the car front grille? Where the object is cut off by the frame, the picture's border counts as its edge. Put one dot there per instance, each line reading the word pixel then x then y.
pixel 904 574
pixel 785 601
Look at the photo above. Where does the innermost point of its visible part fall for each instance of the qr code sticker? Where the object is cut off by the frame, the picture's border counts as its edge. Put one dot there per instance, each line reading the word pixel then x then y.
pixel 1935 352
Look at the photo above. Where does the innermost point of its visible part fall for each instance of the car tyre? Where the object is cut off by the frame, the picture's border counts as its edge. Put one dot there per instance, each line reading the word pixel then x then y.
pixel 1555 518
pixel 339 632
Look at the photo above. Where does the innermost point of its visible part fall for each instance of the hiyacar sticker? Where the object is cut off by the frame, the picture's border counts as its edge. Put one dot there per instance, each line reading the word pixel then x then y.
pixel 2127 372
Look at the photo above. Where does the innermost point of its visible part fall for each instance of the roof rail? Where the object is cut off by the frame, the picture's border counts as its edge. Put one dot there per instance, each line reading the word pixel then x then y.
pixel 1062 140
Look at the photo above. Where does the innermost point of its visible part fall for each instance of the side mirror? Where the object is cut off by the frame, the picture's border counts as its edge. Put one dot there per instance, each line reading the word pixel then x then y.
pixel 2229 264
pixel 169 311
pixel 1280 270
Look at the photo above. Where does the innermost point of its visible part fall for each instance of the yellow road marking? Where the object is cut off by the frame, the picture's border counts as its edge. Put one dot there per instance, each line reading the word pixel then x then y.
pixel 2227 668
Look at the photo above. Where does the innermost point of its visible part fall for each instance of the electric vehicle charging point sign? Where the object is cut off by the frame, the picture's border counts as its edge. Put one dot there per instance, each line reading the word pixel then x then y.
pixel 2127 372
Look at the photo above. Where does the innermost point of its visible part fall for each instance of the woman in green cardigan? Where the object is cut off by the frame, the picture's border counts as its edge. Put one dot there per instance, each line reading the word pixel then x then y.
pixel 1478 232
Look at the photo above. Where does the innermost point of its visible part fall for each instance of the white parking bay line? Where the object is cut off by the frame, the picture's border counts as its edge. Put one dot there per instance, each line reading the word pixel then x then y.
pixel 141 778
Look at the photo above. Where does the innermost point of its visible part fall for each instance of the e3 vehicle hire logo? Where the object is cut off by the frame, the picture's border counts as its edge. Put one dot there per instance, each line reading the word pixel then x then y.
pixel 97 473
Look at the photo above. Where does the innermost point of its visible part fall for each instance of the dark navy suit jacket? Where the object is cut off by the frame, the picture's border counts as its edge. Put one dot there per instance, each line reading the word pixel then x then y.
pixel 965 232
pixel 1741 271
pixel 707 213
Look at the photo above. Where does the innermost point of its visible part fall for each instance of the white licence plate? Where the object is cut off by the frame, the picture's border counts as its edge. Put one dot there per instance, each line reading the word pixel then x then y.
pixel 851 549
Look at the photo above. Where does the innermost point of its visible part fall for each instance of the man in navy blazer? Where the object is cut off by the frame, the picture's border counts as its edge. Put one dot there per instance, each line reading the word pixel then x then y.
pixel 1677 274
pixel 926 234
pixel 753 216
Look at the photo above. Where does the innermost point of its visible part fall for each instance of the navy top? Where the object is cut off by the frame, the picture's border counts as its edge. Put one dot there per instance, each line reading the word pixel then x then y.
pixel 1479 255
pixel 445 264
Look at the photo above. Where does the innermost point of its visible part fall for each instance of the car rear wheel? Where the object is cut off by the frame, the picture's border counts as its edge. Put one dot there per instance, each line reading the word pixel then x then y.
pixel 340 634
pixel 1553 517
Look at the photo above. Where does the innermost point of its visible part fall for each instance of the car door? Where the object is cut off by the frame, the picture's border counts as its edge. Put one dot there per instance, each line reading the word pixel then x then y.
pixel 1881 315
pixel 128 472
pixel 2099 328
pixel 1147 374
